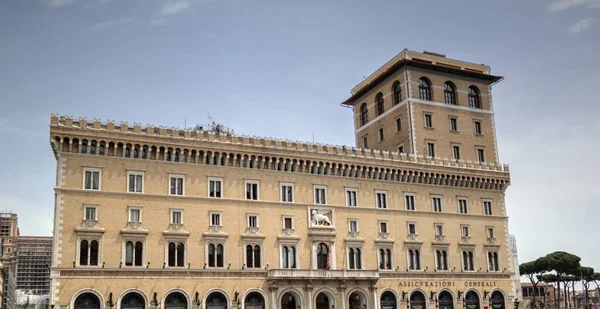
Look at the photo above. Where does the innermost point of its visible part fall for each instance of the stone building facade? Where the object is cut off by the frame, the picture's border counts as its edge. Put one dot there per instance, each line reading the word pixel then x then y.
pixel 155 217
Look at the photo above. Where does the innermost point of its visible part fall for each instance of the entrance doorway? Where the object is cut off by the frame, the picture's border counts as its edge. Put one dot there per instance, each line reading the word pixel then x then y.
pixel 357 300
pixel 133 301
pixel 290 301
pixel 417 300
pixel 388 300
pixel 176 300
pixel 497 300
pixel 323 301
pixel 445 300
pixel 254 300
pixel 471 300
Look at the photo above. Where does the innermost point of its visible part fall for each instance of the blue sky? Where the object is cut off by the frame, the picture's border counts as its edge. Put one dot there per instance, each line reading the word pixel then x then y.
pixel 281 68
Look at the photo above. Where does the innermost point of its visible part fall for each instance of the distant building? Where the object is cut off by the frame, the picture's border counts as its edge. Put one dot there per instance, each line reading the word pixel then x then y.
pixel 8 289
pixel 9 231
pixel 544 295
pixel 34 257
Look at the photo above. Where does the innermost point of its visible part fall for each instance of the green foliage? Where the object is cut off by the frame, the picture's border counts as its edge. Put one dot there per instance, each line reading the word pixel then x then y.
pixel 562 262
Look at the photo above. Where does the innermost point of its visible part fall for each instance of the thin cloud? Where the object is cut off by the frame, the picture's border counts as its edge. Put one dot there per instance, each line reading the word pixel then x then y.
pixel 175 8
pixel 112 24
pixel 568 4
pixel 582 25
pixel 58 3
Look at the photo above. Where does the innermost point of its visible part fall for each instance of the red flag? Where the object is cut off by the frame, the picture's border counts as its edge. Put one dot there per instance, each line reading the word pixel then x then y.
pixel 328 266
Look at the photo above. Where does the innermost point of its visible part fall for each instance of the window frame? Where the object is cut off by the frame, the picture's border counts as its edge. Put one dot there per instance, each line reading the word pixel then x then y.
pixel 124 251
pixel 253 244
pixel 414 201
pixel 460 210
pixel 385 223
pixel 379 104
pixel 363 114
pixel 365 141
pixel 428 120
pixel 430 148
pixel 289 244
pixel 286 184
pixel 220 215
pixel 399 123
pixel 380 258
pixel 496 263
pixel 433 206
pixel 453 123
pixel 401 148
pixel 135 173
pixel 424 87
pixel 90 206
pixel 480 154
pixel 487 232
pixel 350 221
pixel 174 210
pixel 131 208
pixel 251 182
pixel 485 209
pixel 320 187
pixel 176 241
pixel 478 127
pixel 455 155
pixel 355 191
pixel 248 216
pixel 216 243
pixel 437 261
pixel 450 93
pixel 175 175
pixel 89 239
pixel 92 170
pixel 418 264
pixel 384 193
pixel 408 228
pixel 441 229
pixel 215 179
pixel 354 247
pixel 381 135
pixel 463 228
pixel 291 221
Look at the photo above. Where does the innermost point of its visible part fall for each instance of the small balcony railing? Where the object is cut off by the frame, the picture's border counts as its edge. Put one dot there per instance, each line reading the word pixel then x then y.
pixel 323 274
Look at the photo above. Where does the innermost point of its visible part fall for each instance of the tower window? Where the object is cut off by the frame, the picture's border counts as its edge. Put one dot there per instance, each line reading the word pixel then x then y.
pixel 449 93
pixel 424 89
pixel 397 89
pixel 380 134
pixel 474 97
pixel 379 101
pixel 364 114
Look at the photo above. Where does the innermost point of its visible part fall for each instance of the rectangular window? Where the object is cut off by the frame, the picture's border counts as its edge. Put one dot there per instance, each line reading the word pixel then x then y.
pixel 490 232
pixel 252 221
pixel 176 217
pixel 135 182
pixel 398 124
pixel 383 228
pixel 353 225
pixel 439 230
pixel 135 215
pixel 436 201
pixel 176 184
pixel 465 231
pixel 400 149
pixel 252 190
pixel 320 195
pixel 215 218
pixel 91 178
pixel 463 206
pixel 380 134
pixel 477 127
pixel 91 213
pixel 409 201
pixel 487 208
pixel 453 124
pixel 456 152
pixel 287 192
pixel 431 149
pixel 365 142
pixel 412 228
pixel 215 187
pixel 381 199
pixel 428 121
pixel 351 197
pixel 288 223
pixel 480 155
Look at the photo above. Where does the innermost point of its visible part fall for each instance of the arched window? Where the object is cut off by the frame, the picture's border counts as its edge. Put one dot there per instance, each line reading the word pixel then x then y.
pixel 474 98
pixel 292 257
pixel 176 254
pixel 417 300
pixel 414 259
pixel 102 149
pixel 471 300
pixel 211 255
pixel 176 300
pixel 449 93
pixel 323 256
pixel 145 152
pixel 441 260
pixel 468 260
pixel 445 300
pixel 127 151
pixel 176 156
pixel 219 255
pixel 424 89
pixel 285 257
pixel 216 300
pixel 253 256
pixel 169 155
pixel 379 101
pixel 351 258
pixel 93 148
pixel 357 258
pixel 133 301
pixel 83 252
pixel 87 301
pixel 254 300
pixel 397 90
pixel 136 152
pixel 493 261
pixel 388 300
pixel 257 256
pixel 94 253
pixel 364 114
pixel 84 146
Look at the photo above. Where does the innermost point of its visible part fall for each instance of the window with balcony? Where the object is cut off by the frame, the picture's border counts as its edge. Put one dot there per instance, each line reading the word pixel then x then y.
pixel 288 256
pixel 354 258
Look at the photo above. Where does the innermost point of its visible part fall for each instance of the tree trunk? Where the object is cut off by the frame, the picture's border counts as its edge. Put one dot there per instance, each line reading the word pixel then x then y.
pixel 558 285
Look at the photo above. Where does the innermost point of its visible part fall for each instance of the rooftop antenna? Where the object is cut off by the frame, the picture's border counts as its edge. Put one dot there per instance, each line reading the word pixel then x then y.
pixel 313 137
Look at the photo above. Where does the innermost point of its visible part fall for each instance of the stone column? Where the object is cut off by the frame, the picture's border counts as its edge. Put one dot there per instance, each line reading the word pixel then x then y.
pixel 374 303
pixel 342 292
pixel 308 303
